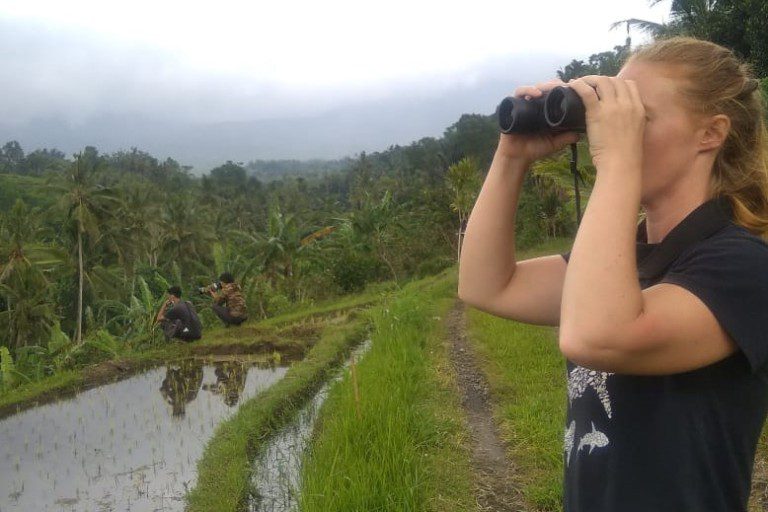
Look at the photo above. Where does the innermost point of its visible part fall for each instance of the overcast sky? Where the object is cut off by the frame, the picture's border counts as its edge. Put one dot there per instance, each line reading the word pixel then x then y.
pixel 204 82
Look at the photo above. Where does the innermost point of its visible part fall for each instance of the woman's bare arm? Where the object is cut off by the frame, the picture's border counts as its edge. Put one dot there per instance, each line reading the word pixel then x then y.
pixel 490 278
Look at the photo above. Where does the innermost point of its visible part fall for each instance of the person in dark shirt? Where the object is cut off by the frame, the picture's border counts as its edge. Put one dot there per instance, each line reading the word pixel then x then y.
pixel 662 324
pixel 229 303
pixel 178 318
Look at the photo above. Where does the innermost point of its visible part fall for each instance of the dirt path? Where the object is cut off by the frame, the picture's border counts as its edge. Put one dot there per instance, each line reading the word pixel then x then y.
pixel 495 475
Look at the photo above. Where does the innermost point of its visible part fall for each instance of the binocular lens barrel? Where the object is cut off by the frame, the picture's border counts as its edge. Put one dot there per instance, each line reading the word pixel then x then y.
pixel 559 110
pixel 517 115
pixel 564 111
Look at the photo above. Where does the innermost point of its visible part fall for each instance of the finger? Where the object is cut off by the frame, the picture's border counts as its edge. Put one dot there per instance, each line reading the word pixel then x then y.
pixel 586 92
pixel 622 90
pixel 549 85
pixel 603 85
pixel 634 93
pixel 561 140
pixel 527 91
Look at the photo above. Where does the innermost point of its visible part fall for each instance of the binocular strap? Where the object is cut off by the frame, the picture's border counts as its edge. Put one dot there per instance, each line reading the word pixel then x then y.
pixel 706 220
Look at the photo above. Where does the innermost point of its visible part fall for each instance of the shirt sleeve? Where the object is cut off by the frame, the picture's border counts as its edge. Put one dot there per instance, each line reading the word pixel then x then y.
pixel 224 298
pixel 173 313
pixel 730 276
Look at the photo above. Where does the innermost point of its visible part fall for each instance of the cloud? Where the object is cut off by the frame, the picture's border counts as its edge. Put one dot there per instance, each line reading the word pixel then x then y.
pixel 62 74
pixel 251 80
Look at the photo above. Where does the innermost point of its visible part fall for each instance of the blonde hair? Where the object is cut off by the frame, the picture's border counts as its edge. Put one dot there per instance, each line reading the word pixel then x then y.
pixel 719 83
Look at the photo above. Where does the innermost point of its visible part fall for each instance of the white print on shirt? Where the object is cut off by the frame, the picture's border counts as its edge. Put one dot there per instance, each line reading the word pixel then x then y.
pixel 581 378
pixel 594 439
pixel 568 442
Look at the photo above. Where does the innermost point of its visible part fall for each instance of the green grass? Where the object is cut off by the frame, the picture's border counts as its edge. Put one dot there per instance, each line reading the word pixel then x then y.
pixel 61 380
pixel 552 246
pixel 527 377
pixel 407 450
pixel 373 293
pixel 526 374
pixel 224 471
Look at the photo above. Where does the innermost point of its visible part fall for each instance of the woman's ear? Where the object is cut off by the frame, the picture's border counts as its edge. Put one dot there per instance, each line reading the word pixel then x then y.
pixel 715 132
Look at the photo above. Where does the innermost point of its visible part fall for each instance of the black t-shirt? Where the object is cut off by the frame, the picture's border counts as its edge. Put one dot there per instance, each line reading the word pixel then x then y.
pixel 683 442
pixel 182 310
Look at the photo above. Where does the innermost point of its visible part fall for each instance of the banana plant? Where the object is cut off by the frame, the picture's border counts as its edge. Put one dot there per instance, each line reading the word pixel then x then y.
pixel 136 319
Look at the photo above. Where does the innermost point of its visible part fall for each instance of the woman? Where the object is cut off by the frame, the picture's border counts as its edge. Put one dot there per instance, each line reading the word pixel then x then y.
pixel 667 381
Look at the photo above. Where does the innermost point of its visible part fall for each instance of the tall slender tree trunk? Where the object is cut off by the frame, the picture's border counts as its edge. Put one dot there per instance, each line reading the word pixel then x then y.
pixel 79 334
pixel 460 237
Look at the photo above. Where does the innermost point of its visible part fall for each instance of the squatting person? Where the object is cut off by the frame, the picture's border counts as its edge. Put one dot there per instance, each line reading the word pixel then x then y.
pixel 178 318
pixel 229 303
pixel 663 325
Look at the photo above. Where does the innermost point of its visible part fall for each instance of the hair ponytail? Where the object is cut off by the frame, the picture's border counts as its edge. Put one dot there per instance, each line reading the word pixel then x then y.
pixel 719 83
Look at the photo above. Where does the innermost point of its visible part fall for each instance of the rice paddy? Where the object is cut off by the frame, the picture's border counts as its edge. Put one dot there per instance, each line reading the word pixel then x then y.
pixel 130 445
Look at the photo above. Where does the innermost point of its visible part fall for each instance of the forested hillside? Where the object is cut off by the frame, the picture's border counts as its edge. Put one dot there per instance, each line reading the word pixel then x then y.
pixel 90 242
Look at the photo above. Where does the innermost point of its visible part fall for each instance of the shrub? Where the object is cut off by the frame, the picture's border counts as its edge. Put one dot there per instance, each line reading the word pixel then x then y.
pixel 351 271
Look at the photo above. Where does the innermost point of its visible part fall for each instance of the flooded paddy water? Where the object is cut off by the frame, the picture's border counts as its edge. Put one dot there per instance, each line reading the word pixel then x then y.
pixel 276 477
pixel 126 446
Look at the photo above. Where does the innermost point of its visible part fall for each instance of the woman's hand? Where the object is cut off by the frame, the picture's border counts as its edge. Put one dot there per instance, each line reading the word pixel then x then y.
pixel 615 120
pixel 530 147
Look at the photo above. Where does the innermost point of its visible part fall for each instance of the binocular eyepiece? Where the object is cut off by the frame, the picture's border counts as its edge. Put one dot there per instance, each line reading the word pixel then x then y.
pixel 559 110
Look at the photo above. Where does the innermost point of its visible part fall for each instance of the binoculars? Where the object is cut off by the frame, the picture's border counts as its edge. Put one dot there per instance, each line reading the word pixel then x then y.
pixel 556 111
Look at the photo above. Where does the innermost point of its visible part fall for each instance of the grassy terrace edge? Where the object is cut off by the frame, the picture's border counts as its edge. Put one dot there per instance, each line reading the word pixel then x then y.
pixel 224 471
pixel 410 420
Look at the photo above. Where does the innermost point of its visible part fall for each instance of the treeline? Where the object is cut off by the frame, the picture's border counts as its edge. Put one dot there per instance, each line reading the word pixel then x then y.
pixel 90 243
pixel 269 170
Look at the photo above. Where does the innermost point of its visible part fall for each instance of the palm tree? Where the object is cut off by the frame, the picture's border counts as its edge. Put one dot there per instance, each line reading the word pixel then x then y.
pixel 20 231
pixel 135 236
pixel 463 179
pixel 23 285
pixel 84 201
pixel 554 185
pixel 373 228
pixel 29 315
pixel 697 18
pixel 187 240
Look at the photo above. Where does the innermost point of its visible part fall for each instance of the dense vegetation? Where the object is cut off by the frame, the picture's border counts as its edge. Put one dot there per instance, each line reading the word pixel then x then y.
pixel 89 243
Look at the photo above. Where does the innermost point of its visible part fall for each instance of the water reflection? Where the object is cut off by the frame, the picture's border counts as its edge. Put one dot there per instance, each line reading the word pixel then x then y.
pixel 181 385
pixel 230 381
pixel 122 446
